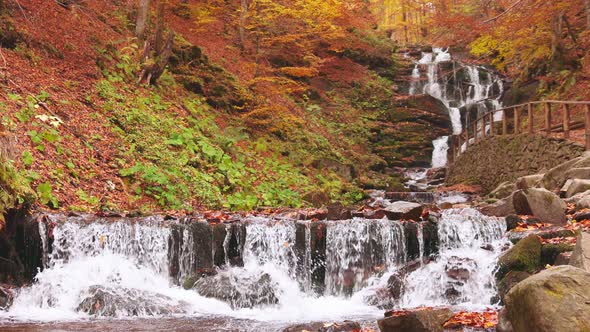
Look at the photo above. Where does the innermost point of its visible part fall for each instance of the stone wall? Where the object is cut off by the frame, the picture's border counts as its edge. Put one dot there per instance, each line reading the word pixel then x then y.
pixel 505 158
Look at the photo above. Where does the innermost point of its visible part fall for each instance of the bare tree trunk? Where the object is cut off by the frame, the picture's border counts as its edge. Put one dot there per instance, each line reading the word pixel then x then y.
pixel 587 14
pixel 242 25
pixel 557 40
pixel 142 18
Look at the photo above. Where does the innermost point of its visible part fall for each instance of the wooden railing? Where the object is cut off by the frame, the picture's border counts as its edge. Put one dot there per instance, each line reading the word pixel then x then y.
pixel 522 119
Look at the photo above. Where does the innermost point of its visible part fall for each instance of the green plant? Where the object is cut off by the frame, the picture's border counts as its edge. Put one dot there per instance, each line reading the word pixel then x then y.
pixel 45 194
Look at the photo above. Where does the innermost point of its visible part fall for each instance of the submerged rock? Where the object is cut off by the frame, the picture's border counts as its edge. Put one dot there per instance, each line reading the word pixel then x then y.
pixel 238 290
pixel 111 302
pixel 421 320
pixel 6 298
pixel 557 299
pixel 402 210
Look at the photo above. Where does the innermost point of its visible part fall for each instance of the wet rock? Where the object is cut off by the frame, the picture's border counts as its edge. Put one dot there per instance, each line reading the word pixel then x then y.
pixel 395 285
pixel 110 302
pixel 374 214
pixel 504 324
pixel 402 210
pixel 431 239
pixel 577 186
pixel 346 326
pixel 190 281
pixel 512 222
pixel 318 256
pixel 219 234
pixel 316 214
pixel 529 181
pixel 510 280
pixel 458 268
pixel 503 190
pixel 337 211
pixel 549 233
pixel 426 320
pixel 523 256
pixel 555 299
pixel 235 244
pixel 6 298
pixel 540 203
pixel 412 242
pixel 239 291
pixel 581 255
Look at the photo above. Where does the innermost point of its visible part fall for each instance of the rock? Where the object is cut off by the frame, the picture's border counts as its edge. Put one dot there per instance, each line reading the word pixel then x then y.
pixel 425 320
pixel 115 302
pixel 501 208
pixel 523 256
pixel 549 233
pixel 554 300
pixel 458 268
pixel 430 238
pixel 577 186
pixel 582 215
pixel 346 326
pixel 542 204
pixel 510 280
pixel 584 203
pixel 402 210
pixel 388 297
pixel 577 197
pixel 6 298
pixel 565 188
pixel 529 181
pixel 581 255
pixel 550 251
pixel 578 173
pixel 503 190
pixel 556 177
pixel 239 291
pixel 337 211
pixel 512 222
pixel 504 324
pixel 563 258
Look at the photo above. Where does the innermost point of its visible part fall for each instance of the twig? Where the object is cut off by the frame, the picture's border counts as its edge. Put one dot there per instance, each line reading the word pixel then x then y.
pixel 504 12
pixel 22 10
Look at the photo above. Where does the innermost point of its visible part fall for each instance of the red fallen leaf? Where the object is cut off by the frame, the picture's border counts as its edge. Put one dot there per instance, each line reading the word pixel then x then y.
pixel 484 320
pixel 559 240
pixel 396 313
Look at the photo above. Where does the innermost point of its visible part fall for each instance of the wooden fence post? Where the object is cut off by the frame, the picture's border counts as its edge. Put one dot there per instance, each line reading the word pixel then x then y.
pixel 504 123
pixel 531 119
pixel 547 119
pixel 587 127
pixel 566 121
pixel 491 119
pixel 483 127
pixel 475 132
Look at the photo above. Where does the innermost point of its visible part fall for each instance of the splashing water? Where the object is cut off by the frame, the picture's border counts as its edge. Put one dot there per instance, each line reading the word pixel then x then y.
pixel 440 153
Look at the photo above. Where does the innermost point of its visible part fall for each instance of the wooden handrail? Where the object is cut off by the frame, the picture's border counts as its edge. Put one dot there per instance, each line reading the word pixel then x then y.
pixel 521 112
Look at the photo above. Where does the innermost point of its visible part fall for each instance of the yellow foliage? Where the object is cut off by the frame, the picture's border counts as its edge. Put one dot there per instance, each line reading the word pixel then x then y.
pixel 299 72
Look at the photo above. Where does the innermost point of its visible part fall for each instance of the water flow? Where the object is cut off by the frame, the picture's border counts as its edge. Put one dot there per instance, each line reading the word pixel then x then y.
pixel 446 80
pixel 463 274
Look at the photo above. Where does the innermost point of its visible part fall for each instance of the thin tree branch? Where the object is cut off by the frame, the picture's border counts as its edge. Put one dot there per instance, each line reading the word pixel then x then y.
pixel 504 12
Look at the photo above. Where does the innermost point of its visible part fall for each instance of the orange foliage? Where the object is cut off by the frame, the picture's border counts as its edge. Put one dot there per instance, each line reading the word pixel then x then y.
pixel 482 320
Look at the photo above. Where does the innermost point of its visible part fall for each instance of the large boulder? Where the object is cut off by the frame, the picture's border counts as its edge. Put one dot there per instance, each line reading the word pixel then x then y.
pixel 581 255
pixel 529 181
pixel 510 280
pixel 425 320
pixel 556 177
pixel 503 190
pixel 578 173
pixel 6 298
pixel 523 256
pixel 123 302
pixel 541 203
pixel 550 251
pixel 402 210
pixel 577 186
pixel 554 300
pixel 500 208
pixel 239 291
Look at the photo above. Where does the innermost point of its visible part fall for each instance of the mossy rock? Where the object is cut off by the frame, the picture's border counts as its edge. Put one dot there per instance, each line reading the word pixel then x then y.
pixel 549 252
pixel 524 256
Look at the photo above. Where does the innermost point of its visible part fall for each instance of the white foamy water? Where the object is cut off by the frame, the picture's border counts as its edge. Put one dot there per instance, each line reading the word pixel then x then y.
pixel 440 153
pixel 130 260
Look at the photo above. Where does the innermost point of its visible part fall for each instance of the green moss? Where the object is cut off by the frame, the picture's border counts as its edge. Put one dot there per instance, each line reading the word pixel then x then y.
pixel 524 256
pixel 549 252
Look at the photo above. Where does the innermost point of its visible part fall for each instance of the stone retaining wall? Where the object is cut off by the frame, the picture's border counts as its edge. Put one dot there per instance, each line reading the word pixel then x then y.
pixel 506 158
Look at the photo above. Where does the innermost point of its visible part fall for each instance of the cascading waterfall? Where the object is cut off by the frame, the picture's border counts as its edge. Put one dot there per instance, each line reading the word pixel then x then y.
pixel 127 263
pixel 464 273
pixel 468 88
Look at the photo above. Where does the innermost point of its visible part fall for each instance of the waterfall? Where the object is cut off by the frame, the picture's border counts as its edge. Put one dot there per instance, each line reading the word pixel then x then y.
pixel 288 271
pixel 483 92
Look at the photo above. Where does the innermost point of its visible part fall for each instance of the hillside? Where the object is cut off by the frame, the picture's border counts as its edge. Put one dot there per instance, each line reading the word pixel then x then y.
pixel 243 116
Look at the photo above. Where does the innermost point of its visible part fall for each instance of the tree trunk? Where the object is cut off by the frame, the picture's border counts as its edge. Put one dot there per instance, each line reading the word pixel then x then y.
pixel 557 40
pixel 587 14
pixel 242 25
pixel 142 18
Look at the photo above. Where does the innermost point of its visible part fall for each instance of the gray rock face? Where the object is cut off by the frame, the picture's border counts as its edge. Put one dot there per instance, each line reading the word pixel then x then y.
pixel 542 204
pixel 429 320
pixel 554 300
pixel 577 186
pixel 529 181
pixel 501 208
pixel 503 190
pixel 110 302
pixel 578 173
pixel 580 257
pixel 403 210
pixel 239 291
